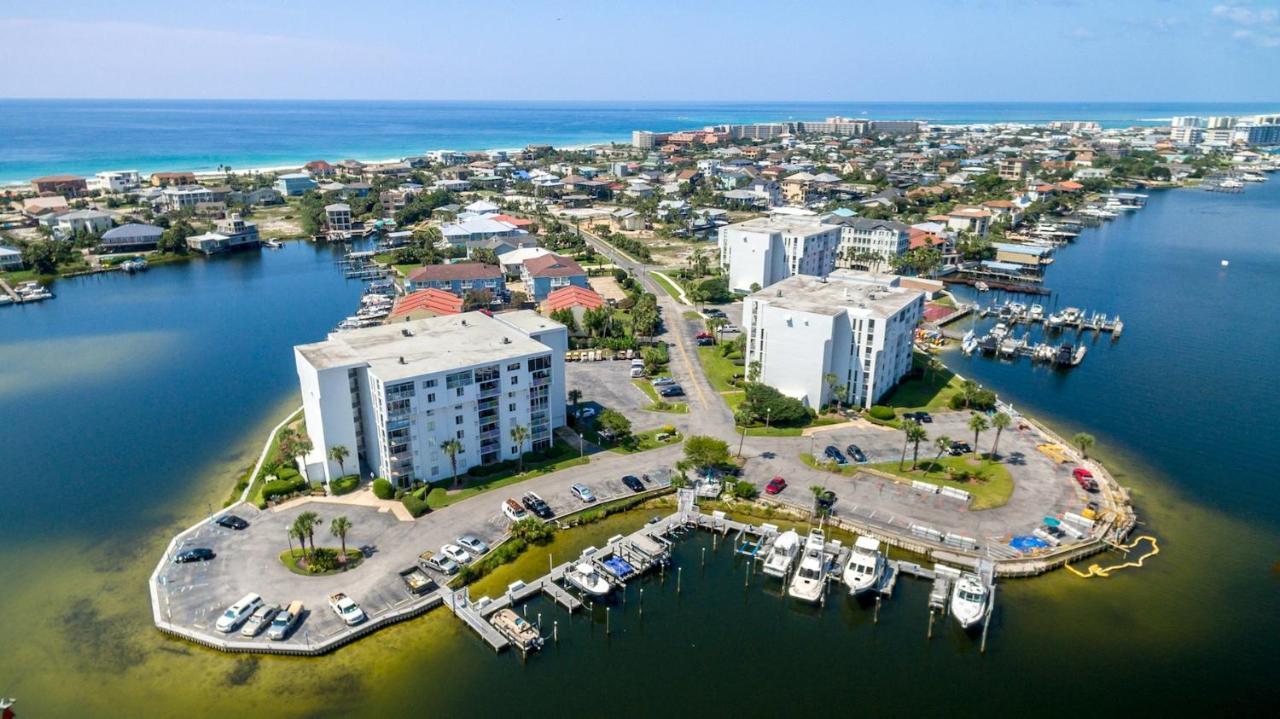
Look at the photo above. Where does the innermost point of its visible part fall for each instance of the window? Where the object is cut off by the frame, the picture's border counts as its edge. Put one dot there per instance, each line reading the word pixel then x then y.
pixel 513 367
pixel 515 379
pixel 431 397
pixel 511 407
pixel 429 384
pixel 461 434
pixel 458 379
pixel 459 391
pixel 457 420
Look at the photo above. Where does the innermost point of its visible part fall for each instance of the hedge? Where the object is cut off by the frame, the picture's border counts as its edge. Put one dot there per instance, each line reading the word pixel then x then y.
pixel 287 482
pixel 344 485
pixel 416 505
pixel 382 489
pixel 881 412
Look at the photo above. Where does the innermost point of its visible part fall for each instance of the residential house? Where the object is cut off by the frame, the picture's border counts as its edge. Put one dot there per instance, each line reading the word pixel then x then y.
pixel 293 184
pixel 172 179
pixel 132 236
pixel 68 185
pixel 459 278
pixel 544 274
pixel 974 220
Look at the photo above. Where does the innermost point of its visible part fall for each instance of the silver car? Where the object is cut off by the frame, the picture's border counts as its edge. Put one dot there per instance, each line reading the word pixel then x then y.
pixel 473 544
pixel 259 621
pixel 583 492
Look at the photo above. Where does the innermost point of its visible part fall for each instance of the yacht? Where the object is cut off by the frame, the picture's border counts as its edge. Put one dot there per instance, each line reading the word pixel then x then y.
pixel 1054 321
pixel 969 600
pixel 866 566
pixel 586 577
pixel 1253 177
pixel 1037 313
pixel 1231 184
pixel 981 286
pixel 782 554
pixel 808 583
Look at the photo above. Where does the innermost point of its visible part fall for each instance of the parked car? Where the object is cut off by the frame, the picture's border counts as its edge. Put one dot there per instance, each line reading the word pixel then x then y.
pixel 664 382
pixel 473 544
pixel 235 614
pixel 513 510
pixel 921 417
pixel 705 341
pixel 537 505
pixel 456 553
pixel 705 335
pixel 633 483
pixel 826 500
pixel 833 453
pixel 1085 479
pixel 671 390
pixel 728 328
pixel 199 554
pixel 959 448
pixel 285 621
pixel 346 608
pixel 775 485
pixel 583 492
pixel 713 313
pixel 258 621
pixel 855 453
pixel 231 521
pixel 586 412
pixel 436 562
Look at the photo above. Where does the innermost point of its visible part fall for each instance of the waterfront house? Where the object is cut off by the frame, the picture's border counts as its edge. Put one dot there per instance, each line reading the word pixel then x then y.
pixel 175 198
pixel 90 221
pixel 320 168
pixel 430 302
pixel 1027 255
pixel 975 220
pixel 172 179
pixel 459 278
pixel 232 233
pixel 293 184
pixel 116 181
pixel 542 275
pixel 132 236
pixel 338 217
pixel 10 259
pixel 69 185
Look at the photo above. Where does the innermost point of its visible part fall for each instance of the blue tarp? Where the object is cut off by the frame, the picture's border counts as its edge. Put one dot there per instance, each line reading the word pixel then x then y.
pixel 1027 543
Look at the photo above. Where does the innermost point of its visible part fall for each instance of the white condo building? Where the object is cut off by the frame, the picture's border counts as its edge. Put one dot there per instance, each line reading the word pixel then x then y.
pixel 392 395
pixel 768 249
pixel 867 244
pixel 857 326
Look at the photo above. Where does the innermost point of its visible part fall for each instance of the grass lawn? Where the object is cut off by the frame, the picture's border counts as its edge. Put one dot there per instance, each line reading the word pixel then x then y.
pixel 993 492
pixel 659 404
pixel 561 456
pixel 646 440
pixel 255 494
pixel 791 431
pixel 666 286
pixel 691 315
pixel 18 276
pixel 291 557
pixel 945 301
pixel 719 370
pixel 933 393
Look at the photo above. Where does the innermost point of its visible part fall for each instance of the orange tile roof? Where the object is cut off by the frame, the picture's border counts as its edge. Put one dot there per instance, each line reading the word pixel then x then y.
pixel 431 300
pixel 516 221
pixel 572 296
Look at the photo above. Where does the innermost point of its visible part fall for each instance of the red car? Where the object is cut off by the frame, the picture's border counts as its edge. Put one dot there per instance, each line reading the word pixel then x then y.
pixel 1085 479
pixel 775 485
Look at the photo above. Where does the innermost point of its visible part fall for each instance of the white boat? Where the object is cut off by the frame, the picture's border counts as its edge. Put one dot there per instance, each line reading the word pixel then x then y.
pixel 968 600
pixel 782 554
pixel 865 567
pixel 981 286
pixel 1252 177
pixel 1054 321
pixel 1037 313
pixel 810 578
pixel 586 577
pixel 969 343
pixel 1231 184
pixel 519 631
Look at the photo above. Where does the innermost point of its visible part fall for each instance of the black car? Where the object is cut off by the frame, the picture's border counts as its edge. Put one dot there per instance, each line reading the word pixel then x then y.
pixel 834 454
pixel 924 418
pixel 673 390
pixel 959 448
pixel 537 505
pixel 199 554
pixel 713 313
pixel 231 521
pixel 856 452
pixel 826 500
pixel 633 483
pixel 705 341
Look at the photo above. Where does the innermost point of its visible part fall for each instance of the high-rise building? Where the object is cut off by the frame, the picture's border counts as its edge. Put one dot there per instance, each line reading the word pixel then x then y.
pixel 764 250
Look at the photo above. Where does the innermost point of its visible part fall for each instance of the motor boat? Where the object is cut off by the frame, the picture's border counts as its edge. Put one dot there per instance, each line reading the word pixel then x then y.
pixel 810 579
pixel 782 554
pixel 1037 313
pixel 865 567
pixel 519 631
pixel 969 600
pixel 981 286
pixel 587 578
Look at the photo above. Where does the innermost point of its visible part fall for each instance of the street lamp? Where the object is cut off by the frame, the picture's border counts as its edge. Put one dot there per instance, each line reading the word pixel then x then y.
pixel 768 412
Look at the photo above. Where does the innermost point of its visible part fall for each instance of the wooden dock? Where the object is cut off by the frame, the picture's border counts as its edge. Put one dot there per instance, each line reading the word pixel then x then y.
pixel 459 602
pixel 10 292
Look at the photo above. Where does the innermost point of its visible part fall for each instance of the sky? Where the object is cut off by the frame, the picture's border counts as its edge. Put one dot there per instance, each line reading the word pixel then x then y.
pixel 926 50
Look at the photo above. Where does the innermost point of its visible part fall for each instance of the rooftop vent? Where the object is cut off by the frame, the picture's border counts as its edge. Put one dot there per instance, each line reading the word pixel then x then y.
pixel 464 323
pixel 406 332
pixel 402 361
pixel 506 340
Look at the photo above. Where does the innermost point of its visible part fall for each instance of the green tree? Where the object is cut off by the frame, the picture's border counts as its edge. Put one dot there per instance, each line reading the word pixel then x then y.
pixel 339 528
pixel 616 424
pixel 704 452
pixel 916 434
pixel 907 426
pixel 520 434
pixel 305 525
pixel 452 447
pixel 942 444
pixel 339 454
pixel 575 396
pixel 1000 422
pixel 978 423
pixel 1084 441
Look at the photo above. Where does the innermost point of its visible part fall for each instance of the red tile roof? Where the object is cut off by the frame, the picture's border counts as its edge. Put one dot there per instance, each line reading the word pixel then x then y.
pixel 520 222
pixel 456 271
pixel 553 266
pixel 920 238
pixel 431 300
pixel 1070 186
pixel 572 296
pixel 58 178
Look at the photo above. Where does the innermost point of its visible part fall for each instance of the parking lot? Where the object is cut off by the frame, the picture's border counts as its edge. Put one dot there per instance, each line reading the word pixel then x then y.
pixel 607 384
pixel 192 596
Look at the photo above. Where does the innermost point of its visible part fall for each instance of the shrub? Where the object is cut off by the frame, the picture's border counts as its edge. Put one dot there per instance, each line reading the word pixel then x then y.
pixel 416 505
pixel 287 483
pixel 763 401
pixel 345 485
pixel 323 559
pixel 881 412
pixel 532 531
pixel 436 497
pixel 744 490
pixel 382 488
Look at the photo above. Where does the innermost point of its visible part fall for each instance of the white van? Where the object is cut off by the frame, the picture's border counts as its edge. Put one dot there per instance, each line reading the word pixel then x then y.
pixel 637 371
pixel 238 612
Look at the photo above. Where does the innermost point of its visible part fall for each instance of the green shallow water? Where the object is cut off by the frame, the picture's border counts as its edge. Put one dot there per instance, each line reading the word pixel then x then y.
pixel 130 408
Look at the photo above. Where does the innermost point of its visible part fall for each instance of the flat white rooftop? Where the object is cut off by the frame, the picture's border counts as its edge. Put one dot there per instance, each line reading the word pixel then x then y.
pixel 784 223
pixel 427 346
pixel 840 291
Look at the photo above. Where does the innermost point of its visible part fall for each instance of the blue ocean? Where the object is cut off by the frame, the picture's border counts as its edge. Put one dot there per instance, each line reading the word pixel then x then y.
pixel 39 137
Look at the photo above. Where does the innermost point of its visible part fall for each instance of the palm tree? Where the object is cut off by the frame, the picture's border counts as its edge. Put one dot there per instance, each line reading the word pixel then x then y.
pixel 519 434
pixel 304 527
pixel 968 389
pixel 452 447
pixel 714 324
pixel 1001 422
pixel 978 423
pixel 942 443
pixel 292 532
pixel 817 490
pixel 906 439
pixel 916 433
pixel 339 528
pixel 1084 441
pixel 830 379
pixel 339 454
pixel 575 396
pixel 742 418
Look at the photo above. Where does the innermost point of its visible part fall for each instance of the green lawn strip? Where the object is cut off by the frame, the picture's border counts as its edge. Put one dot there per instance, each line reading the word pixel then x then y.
pixel 562 456
pixel 659 404
pixel 719 369
pixel 691 315
pixel 792 431
pixel 667 286
pixel 290 557
pixel 931 393
pixel 255 495
pixel 734 399
pixel 994 492
pixel 644 441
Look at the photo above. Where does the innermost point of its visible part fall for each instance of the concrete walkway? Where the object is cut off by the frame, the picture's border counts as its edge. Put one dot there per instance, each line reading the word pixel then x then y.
pixel 362 497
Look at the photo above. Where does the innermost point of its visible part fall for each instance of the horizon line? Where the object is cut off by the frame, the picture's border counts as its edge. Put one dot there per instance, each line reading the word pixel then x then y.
pixel 603 100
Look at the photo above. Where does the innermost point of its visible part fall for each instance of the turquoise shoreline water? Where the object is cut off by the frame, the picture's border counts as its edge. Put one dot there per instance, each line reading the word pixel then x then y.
pixel 41 137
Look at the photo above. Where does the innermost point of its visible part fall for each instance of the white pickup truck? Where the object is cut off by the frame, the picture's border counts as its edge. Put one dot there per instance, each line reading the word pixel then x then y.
pixel 346 608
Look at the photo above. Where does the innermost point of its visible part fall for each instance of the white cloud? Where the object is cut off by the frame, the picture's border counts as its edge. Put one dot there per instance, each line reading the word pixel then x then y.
pixel 1255 25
